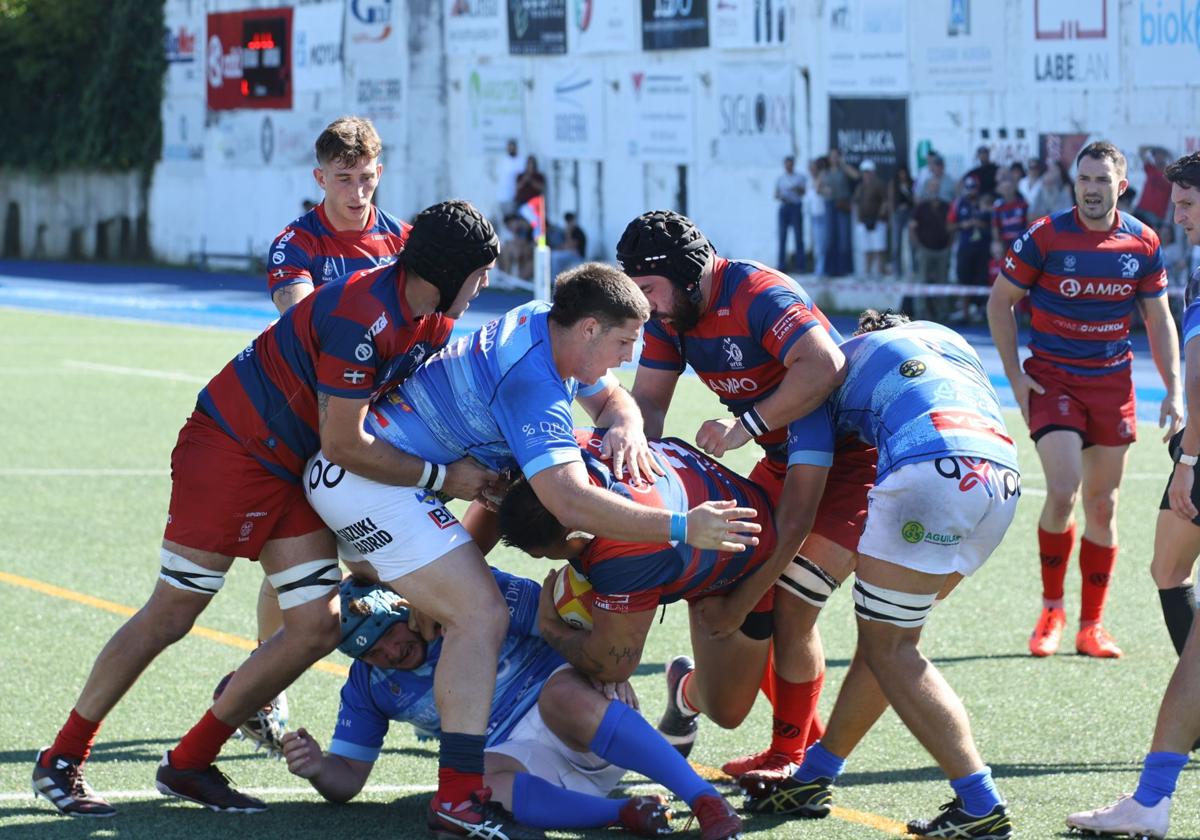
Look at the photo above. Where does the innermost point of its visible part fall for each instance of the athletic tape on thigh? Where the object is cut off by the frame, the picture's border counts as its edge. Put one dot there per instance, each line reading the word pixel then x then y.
pixel 183 574
pixel 807 581
pixel 306 582
pixel 874 603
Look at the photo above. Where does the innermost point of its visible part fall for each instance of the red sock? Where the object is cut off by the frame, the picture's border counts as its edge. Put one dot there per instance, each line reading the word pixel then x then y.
pixel 199 747
pixel 767 686
pixel 1096 564
pixel 816 729
pixel 795 706
pixel 455 786
pixel 74 740
pixel 1055 551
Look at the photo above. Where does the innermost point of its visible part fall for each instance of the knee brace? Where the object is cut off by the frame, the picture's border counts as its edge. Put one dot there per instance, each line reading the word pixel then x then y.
pixel 903 609
pixel 306 582
pixel 807 581
pixel 182 573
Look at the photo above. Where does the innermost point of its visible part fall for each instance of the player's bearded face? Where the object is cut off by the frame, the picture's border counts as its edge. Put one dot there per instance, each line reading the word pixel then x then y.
pixel 684 314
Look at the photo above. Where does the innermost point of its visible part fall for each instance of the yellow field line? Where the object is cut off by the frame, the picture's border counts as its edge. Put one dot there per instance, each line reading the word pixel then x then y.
pixel 218 636
pixel 844 814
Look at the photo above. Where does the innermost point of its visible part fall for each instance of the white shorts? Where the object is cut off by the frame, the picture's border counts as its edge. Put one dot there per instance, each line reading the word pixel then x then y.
pixel 941 516
pixel 395 529
pixel 874 239
pixel 545 755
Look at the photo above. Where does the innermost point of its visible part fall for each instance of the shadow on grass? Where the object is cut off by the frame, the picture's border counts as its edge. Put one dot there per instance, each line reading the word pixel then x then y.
pixel 140 750
pixel 168 819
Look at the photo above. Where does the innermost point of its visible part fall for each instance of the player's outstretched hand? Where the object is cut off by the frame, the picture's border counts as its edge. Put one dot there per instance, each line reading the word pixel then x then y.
pixel 466 478
pixel 718 616
pixel 1170 415
pixel 629 450
pixel 1179 492
pixel 722 526
pixel 302 753
pixel 716 437
pixel 1021 386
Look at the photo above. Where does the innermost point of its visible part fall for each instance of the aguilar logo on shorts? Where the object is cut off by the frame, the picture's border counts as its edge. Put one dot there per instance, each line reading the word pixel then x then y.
pixel 912 368
pixel 913 531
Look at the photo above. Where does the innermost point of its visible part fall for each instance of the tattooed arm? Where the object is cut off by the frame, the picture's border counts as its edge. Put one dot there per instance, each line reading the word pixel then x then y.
pixel 610 651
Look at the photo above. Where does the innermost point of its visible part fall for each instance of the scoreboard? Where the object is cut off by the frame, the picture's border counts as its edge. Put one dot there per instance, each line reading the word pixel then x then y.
pixel 249 58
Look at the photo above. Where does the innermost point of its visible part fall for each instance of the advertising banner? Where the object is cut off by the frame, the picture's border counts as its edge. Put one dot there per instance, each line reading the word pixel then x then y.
pixel 674 24
pixel 870 128
pixel 754 113
pixel 600 26
pixel 183 46
pixel 746 24
pixel 1070 44
pixel 376 64
pixel 1165 49
pixel 660 115
pixel 866 46
pixel 183 127
pixel 573 109
pixel 537 27
pixel 957 45
pixel 495 110
pixel 249 59
pixel 476 27
pixel 317 46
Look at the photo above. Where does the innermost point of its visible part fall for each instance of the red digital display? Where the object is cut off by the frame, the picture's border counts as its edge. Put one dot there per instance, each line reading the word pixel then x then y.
pixel 249 59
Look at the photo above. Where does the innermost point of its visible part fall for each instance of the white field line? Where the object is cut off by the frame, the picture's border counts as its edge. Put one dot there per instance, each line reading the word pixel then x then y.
pixel 174 376
pixel 152 793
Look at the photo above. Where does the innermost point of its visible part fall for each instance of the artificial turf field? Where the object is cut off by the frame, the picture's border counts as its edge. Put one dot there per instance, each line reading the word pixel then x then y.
pixel 89 411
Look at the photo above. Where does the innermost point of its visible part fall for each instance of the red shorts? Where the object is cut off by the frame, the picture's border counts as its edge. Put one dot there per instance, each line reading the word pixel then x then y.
pixel 1101 408
pixel 223 500
pixel 843 509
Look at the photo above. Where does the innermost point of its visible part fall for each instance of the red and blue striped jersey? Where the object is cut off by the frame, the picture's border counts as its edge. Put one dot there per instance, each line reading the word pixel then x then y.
pixel 309 250
pixel 1083 285
pixel 633 577
pixel 353 338
pixel 1011 218
pixel 754 316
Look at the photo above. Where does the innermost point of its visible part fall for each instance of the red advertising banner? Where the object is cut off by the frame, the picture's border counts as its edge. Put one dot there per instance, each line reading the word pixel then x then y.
pixel 249 59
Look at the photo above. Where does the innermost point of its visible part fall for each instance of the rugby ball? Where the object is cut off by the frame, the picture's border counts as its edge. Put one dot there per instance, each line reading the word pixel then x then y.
pixel 573 598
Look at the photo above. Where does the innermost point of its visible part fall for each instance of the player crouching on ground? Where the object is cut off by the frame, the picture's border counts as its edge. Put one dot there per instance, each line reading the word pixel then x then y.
pixel 556 746
pixel 631 579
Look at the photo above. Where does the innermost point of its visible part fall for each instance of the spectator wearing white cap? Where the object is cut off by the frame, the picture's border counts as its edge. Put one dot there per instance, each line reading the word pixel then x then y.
pixel 870 199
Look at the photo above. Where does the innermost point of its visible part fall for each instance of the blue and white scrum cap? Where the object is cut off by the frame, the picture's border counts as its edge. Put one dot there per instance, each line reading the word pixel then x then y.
pixel 360 632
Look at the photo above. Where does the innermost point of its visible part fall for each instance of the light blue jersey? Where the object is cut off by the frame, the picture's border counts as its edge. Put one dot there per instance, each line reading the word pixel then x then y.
pixel 1191 315
pixel 916 392
pixel 374 697
pixel 494 395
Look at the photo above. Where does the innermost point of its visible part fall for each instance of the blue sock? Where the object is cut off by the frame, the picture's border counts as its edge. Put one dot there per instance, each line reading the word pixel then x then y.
pixel 539 804
pixel 625 739
pixel 819 763
pixel 1160 773
pixel 977 792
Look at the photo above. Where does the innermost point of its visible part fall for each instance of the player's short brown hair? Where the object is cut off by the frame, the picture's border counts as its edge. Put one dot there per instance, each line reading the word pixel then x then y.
pixel 597 290
pixel 1185 172
pixel 348 140
pixel 1103 150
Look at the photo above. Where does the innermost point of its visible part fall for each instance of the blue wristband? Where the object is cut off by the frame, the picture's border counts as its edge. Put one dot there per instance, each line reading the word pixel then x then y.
pixel 678 527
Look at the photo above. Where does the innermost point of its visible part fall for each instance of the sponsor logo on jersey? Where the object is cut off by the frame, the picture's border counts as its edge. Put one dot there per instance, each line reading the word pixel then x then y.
pixel 786 325
pixel 733 384
pixel 380 324
pixel 1069 287
pixel 912 368
pixel 966 421
pixel 364 351
pixel 1129 265
pixel 365 536
pixel 1069 262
